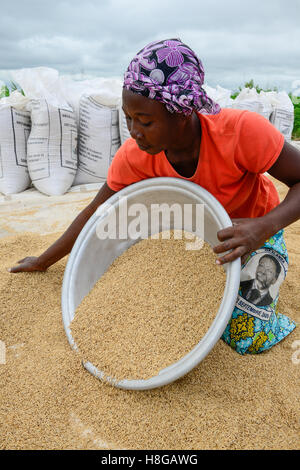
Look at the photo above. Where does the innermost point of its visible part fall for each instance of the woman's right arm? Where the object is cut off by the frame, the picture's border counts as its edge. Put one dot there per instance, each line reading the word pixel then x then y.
pixel 65 243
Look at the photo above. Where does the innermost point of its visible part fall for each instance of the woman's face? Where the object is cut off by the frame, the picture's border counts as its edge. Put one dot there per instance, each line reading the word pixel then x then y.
pixel 152 126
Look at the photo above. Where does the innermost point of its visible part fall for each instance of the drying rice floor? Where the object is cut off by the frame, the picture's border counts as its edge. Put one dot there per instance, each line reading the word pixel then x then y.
pixel 49 401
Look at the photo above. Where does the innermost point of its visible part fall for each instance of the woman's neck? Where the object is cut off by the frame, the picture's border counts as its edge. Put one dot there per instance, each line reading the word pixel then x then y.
pixel 187 147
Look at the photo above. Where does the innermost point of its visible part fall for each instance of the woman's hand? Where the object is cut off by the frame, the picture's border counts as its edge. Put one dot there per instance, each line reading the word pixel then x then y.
pixel 65 243
pixel 245 236
pixel 29 264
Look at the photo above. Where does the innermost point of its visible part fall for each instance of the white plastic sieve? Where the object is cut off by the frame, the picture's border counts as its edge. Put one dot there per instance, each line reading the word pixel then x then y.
pixel 91 257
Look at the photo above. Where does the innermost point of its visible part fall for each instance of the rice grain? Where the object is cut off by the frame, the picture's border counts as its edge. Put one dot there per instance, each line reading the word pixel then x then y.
pixel 152 306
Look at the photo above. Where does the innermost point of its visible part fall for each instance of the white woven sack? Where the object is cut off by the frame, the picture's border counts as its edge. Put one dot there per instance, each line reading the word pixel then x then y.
pixel 52 147
pixel 99 139
pixel 14 131
pixel 220 95
pixel 265 107
pixel 248 99
pixel 282 116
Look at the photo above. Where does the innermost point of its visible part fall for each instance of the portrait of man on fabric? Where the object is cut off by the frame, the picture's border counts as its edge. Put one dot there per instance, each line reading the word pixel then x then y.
pixel 257 290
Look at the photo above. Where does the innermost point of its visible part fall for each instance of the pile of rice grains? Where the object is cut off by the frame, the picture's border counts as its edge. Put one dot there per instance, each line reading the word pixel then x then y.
pixel 152 306
pixel 49 401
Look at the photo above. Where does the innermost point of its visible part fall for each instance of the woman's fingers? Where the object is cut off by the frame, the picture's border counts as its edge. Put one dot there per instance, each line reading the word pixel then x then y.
pixel 21 267
pixel 233 255
pixel 233 238
pixel 245 236
pixel 227 245
pixel 225 233
pixel 16 269
pixel 238 221
pixel 233 241
pixel 29 264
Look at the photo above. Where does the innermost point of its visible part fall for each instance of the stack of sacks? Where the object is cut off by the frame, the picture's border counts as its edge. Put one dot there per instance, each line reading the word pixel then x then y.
pixel 65 132
pixel 15 126
pixel 52 142
pixel 277 107
pixel 96 104
pixel 249 99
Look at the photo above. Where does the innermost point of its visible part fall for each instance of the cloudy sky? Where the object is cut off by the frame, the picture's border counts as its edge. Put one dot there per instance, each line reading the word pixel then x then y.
pixel 236 39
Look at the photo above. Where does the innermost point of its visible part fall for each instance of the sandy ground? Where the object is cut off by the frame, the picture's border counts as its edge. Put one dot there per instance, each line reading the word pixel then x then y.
pixel 32 211
pixel 49 401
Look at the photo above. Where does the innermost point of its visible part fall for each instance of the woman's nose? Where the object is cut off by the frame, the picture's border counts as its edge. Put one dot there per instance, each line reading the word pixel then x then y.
pixel 135 132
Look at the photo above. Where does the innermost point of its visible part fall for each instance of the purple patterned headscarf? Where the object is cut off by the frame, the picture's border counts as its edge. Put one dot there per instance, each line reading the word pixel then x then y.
pixel 170 72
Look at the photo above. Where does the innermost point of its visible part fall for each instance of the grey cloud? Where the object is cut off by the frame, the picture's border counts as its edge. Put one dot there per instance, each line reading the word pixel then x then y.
pixel 236 40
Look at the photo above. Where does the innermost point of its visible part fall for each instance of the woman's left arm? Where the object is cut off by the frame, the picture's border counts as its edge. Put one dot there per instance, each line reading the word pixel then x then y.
pixel 246 235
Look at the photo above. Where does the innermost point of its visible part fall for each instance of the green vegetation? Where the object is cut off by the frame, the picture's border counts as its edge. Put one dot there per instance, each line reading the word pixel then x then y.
pixel 6 90
pixel 296 103
pixel 251 84
pixel 14 86
pixel 296 130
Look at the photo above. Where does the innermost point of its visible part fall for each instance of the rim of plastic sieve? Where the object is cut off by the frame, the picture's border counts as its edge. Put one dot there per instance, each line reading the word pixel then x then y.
pixel 204 346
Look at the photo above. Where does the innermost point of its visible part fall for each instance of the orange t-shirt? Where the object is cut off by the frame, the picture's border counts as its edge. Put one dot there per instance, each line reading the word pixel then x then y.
pixel 237 147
